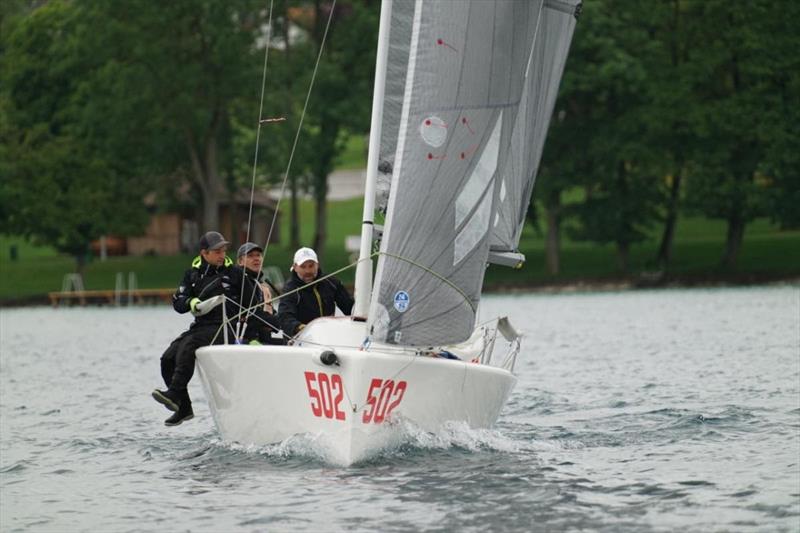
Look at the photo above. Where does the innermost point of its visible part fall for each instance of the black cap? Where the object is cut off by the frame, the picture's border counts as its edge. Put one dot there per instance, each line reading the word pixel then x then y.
pixel 212 240
pixel 248 247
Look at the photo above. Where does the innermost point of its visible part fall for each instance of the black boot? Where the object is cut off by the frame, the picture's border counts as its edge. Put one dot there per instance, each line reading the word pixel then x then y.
pixel 183 414
pixel 169 398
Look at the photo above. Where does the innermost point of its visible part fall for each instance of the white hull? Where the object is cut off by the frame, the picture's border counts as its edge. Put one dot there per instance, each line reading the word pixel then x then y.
pixel 266 394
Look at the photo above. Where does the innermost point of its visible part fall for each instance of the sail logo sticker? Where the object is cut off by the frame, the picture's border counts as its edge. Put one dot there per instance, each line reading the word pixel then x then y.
pixel 401 301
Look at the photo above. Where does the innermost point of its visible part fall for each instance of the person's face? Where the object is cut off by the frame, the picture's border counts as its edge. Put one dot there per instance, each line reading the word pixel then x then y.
pixel 215 257
pixel 307 270
pixel 252 261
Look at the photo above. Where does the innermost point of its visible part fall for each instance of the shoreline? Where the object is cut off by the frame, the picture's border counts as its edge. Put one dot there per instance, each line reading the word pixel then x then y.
pixel 567 286
pixel 646 282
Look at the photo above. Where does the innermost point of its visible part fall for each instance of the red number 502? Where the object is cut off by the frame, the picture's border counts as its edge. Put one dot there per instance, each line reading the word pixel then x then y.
pixel 382 402
pixel 321 389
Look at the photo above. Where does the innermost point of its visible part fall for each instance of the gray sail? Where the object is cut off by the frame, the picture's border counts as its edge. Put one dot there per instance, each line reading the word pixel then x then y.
pixel 543 75
pixel 462 87
pixel 397 66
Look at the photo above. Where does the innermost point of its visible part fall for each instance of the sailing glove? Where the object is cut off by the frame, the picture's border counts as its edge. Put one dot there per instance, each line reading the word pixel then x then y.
pixel 193 305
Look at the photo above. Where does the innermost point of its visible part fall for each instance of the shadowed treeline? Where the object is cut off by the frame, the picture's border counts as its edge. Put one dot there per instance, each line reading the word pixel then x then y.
pixel 674 107
pixel 667 109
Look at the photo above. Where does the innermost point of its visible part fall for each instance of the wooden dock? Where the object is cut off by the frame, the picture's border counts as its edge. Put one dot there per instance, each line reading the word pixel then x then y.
pixel 111 297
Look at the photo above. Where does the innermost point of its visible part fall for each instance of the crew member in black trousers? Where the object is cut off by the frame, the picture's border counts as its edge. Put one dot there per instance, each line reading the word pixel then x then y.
pixel 203 280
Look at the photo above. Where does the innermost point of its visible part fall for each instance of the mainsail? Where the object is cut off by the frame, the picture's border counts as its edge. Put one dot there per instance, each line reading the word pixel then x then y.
pixel 463 68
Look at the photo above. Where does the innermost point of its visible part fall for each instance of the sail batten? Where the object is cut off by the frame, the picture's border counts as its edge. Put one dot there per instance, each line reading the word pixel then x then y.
pixel 446 145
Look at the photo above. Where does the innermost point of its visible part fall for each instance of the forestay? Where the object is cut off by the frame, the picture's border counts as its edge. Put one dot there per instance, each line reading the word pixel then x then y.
pixel 464 73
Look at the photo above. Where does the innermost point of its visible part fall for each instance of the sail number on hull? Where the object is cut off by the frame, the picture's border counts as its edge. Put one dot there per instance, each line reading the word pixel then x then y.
pixel 326 393
pixel 321 390
pixel 382 398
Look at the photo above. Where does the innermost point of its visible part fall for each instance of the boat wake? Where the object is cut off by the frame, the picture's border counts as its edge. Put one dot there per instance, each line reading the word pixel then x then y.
pixel 402 439
pixel 456 435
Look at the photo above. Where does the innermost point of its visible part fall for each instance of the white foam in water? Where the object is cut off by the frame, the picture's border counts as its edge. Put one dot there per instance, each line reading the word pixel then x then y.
pixel 458 435
pixel 401 437
pixel 305 445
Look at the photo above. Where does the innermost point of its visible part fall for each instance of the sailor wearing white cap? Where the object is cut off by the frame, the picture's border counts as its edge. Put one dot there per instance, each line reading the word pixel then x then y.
pixel 314 298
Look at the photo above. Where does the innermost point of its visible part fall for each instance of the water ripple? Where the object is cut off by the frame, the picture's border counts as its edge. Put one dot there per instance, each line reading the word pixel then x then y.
pixel 642 411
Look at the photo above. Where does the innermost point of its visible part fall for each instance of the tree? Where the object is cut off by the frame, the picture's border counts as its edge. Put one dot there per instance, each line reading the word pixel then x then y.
pixel 191 62
pixel 672 27
pixel 601 107
pixel 559 171
pixel 780 125
pixel 732 85
pixel 60 187
pixel 341 101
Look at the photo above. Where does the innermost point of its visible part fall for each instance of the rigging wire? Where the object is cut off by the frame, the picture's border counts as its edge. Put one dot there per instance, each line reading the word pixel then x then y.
pixel 251 309
pixel 255 156
pixel 294 145
pixel 434 274
pixel 299 126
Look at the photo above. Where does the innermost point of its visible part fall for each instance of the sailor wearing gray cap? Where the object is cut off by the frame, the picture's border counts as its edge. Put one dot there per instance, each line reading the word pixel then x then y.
pixel 246 283
pixel 248 247
pixel 212 240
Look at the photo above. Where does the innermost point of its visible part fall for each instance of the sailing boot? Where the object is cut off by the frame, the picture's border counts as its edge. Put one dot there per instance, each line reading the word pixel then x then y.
pixel 169 398
pixel 184 413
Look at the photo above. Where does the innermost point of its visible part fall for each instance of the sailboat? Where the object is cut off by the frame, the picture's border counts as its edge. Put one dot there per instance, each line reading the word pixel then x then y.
pixel 463 96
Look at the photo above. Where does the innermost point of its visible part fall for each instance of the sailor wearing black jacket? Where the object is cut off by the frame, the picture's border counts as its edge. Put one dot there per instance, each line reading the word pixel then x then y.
pixel 257 321
pixel 314 298
pixel 204 280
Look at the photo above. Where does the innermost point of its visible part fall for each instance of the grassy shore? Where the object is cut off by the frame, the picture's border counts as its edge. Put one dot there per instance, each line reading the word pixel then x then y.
pixel 767 254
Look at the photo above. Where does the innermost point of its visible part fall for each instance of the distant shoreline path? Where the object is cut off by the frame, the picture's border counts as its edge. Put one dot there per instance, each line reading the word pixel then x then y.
pixel 342 185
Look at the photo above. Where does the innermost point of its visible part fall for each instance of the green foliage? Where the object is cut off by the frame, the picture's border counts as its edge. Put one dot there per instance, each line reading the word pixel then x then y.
pixel 345 219
pixel 768 253
pixel 729 91
pixel 780 123
pixel 193 68
pixel 597 132
pixel 677 104
pixel 60 187
pixel 342 95
pixel 665 107
pixel 354 152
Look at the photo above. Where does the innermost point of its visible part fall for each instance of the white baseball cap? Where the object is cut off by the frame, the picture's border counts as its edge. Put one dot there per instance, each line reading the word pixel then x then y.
pixel 304 254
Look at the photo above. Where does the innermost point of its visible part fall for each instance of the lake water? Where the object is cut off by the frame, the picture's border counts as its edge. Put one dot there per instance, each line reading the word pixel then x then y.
pixel 635 411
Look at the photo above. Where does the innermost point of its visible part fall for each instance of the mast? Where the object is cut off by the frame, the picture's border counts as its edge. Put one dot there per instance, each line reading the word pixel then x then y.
pixel 363 283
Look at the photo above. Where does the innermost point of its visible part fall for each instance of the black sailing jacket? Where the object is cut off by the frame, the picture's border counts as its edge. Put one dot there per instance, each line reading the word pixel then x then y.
pixel 260 324
pixel 202 281
pixel 311 301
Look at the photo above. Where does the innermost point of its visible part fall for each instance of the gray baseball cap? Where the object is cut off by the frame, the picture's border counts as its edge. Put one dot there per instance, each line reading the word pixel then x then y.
pixel 248 247
pixel 212 240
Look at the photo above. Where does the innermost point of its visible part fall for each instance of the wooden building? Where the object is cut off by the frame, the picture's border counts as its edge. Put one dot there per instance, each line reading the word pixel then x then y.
pixel 171 233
